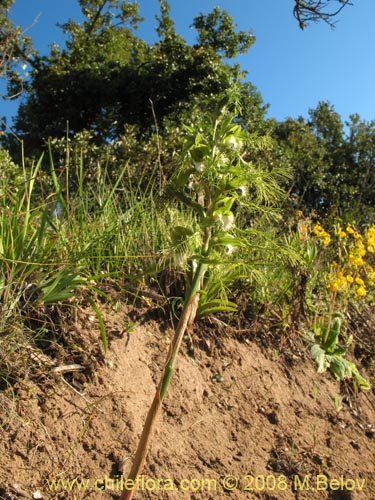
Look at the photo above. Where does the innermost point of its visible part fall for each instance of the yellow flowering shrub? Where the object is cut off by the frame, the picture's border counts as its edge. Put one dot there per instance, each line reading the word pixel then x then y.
pixel 322 234
pixel 338 269
pixel 350 260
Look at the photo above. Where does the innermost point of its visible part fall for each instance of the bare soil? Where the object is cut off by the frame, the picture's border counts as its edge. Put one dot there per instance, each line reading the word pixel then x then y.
pixel 243 403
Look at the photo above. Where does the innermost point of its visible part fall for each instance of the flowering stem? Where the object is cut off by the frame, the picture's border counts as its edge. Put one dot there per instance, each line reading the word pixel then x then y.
pixel 186 319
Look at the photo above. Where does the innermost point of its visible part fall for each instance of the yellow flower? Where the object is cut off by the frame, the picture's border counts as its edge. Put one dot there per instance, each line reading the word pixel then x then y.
pixel 340 232
pixel 358 261
pixel 337 283
pixel 318 230
pixel 327 240
pixel 360 249
pixel 355 260
pixel 370 239
pixel 361 291
pixel 349 229
pixel 349 278
pixel 359 281
pixel 334 286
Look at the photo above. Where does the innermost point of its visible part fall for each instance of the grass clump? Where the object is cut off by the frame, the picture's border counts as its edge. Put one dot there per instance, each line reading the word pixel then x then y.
pixel 62 236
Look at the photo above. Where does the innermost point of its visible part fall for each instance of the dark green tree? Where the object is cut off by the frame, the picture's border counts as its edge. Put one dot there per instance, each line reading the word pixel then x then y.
pixel 217 32
pixel 307 157
pixel 360 169
pixel 107 78
pixel 333 164
pixel 74 86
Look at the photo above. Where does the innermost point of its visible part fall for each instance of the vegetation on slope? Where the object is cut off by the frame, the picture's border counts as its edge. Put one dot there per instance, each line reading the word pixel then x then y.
pixel 145 163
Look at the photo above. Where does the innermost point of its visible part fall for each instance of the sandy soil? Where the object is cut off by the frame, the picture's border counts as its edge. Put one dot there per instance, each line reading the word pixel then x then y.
pixel 241 419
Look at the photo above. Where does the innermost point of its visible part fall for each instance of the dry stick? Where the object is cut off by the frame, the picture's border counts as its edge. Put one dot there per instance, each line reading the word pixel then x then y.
pixel 187 318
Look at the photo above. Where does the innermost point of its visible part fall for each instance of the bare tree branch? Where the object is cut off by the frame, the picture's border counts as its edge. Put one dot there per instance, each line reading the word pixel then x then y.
pixel 15 52
pixel 306 11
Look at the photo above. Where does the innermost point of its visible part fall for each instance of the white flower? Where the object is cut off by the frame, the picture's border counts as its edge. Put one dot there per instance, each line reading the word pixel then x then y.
pixel 234 143
pixel 199 166
pixel 229 249
pixel 223 160
pixel 241 190
pixel 192 184
pixel 227 220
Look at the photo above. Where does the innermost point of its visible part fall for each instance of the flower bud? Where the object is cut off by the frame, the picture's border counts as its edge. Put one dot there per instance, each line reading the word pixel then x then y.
pixel 199 166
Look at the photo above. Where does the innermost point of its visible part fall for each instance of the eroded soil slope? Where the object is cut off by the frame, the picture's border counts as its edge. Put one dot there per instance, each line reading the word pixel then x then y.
pixel 236 407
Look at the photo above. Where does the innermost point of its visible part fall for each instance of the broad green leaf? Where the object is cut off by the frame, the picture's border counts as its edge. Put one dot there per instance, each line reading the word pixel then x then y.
pixel 319 356
pixel 340 367
pixel 333 335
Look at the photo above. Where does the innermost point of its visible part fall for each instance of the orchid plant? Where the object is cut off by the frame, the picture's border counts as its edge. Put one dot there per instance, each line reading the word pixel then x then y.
pixel 214 181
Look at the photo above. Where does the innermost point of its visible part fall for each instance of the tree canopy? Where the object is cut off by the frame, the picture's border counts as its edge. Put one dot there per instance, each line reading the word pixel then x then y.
pixel 110 89
pixel 108 77
pixel 16 47
pixel 332 162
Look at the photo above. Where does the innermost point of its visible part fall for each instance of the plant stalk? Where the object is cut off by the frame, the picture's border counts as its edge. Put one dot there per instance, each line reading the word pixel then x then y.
pixel 186 319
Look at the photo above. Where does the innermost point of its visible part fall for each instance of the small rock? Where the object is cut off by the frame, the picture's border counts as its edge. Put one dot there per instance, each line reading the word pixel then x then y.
pixel 370 433
pixel 273 418
pixel 217 377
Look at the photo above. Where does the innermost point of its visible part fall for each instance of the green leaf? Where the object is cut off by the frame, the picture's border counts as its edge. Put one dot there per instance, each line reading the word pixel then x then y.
pixel 60 286
pixel 224 205
pixel 198 152
pixel 333 335
pixel 363 383
pixel 319 356
pixel 341 367
pixel 182 178
pixel 216 305
pixel 224 239
pixel 180 234
pixel 237 182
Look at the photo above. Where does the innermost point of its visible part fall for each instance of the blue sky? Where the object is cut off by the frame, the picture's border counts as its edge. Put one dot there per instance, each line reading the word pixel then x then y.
pixel 292 69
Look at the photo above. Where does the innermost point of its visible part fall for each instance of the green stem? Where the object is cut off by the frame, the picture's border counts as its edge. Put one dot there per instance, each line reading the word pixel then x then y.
pixel 187 316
